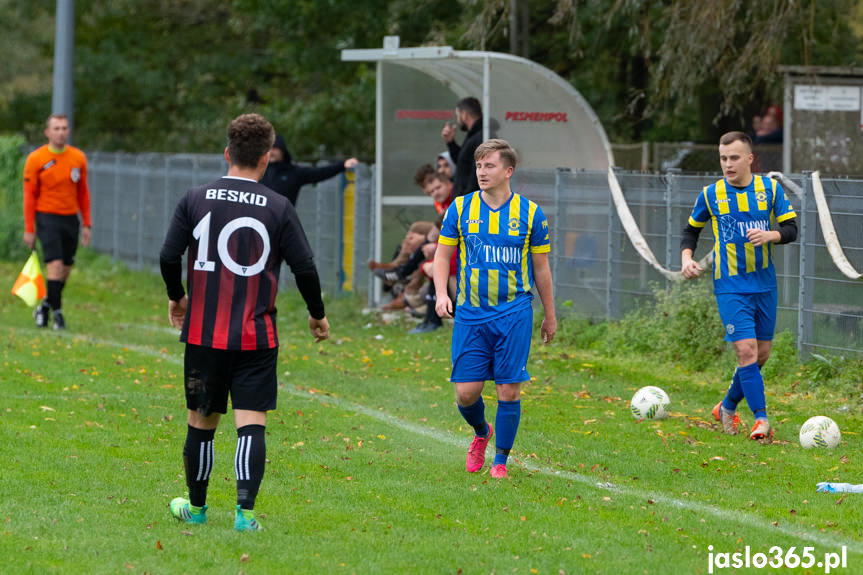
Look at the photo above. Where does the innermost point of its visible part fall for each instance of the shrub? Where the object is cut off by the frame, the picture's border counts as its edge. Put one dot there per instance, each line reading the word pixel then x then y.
pixel 11 198
pixel 679 325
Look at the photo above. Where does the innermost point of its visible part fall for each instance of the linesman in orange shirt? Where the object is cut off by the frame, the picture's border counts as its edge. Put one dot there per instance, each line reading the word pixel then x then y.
pixel 55 191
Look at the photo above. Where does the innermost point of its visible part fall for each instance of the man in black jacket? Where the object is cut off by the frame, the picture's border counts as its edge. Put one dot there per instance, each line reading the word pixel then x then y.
pixel 469 118
pixel 286 178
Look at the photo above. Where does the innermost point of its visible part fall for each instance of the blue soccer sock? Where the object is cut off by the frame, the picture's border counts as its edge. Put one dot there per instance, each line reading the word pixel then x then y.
pixel 735 393
pixel 753 388
pixel 475 416
pixel 506 426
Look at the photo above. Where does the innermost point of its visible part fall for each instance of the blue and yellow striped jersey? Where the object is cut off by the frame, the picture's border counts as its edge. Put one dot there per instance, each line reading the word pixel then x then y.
pixel 495 270
pixel 739 266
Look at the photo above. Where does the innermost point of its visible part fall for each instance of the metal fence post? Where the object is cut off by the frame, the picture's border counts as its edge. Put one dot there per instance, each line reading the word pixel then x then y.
pixel 372 226
pixel 142 189
pixel 340 237
pixel 611 295
pixel 320 226
pixel 559 217
pixel 672 186
pixel 166 194
pixel 355 276
pixel 804 286
pixel 116 247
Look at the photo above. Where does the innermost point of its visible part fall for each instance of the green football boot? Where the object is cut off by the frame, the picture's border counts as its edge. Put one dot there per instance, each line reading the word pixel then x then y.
pixel 245 520
pixel 182 510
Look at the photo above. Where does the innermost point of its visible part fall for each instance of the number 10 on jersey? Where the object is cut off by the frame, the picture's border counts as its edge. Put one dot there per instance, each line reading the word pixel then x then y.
pixel 202 234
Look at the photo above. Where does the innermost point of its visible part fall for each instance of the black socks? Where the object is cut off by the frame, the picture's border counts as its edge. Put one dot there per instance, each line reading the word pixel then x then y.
pixel 249 462
pixel 198 462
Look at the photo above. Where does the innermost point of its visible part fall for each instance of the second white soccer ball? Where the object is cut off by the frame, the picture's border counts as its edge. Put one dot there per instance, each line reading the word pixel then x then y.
pixel 820 431
pixel 649 402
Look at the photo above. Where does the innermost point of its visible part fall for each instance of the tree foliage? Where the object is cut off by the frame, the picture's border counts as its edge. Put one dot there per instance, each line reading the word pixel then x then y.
pixel 167 75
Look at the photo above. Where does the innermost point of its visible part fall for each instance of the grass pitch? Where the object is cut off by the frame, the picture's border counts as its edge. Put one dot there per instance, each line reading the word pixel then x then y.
pixel 366 456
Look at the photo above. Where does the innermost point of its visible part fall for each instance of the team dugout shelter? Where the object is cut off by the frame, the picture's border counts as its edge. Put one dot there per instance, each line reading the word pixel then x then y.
pixel 544 117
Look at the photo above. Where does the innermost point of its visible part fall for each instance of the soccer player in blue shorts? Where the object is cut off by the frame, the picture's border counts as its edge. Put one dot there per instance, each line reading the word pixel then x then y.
pixel 503 245
pixel 743 210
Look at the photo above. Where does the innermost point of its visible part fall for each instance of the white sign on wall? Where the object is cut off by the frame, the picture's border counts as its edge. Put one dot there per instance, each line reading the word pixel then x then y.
pixel 827 98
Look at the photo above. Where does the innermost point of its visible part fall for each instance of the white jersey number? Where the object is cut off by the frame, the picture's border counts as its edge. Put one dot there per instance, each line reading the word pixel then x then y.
pixel 202 234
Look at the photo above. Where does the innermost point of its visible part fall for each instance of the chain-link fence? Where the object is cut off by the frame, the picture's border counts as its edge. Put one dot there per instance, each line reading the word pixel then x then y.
pixel 597 269
pixel 594 265
pixel 687 157
pixel 133 199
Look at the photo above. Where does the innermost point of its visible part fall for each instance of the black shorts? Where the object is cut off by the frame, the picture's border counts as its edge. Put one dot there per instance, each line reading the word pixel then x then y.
pixel 248 376
pixel 58 236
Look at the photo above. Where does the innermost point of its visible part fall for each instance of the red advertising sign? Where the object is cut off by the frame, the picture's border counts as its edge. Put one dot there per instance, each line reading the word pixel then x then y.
pixel 424 115
pixel 535 116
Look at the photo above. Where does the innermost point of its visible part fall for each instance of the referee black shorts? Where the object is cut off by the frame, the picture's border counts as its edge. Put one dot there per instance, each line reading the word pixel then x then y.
pixel 249 377
pixel 58 235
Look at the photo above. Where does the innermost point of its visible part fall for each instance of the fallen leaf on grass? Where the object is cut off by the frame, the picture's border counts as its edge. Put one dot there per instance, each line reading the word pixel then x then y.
pixel 244 557
pixel 159 545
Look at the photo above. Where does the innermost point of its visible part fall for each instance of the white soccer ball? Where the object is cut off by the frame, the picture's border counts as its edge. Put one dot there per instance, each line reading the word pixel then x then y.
pixel 649 402
pixel 820 431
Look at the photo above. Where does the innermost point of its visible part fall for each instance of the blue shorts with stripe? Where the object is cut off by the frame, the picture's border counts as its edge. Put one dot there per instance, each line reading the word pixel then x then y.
pixel 748 315
pixel 495 350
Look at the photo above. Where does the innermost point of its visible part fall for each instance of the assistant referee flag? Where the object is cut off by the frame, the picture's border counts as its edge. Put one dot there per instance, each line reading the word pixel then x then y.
pixel 30 285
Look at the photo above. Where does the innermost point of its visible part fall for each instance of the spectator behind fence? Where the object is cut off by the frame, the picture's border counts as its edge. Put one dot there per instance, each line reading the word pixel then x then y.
pixel 767 129
pixel 55 191
pixel 445 166
pixel 469 119
pixel 286 178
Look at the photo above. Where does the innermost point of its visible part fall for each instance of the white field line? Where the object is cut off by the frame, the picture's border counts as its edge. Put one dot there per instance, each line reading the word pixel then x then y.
pixel 730 516
pixel 150 328
pixel 700 508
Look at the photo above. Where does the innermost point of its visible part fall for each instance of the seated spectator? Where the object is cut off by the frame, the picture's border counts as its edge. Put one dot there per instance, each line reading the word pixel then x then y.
pixel 445 166
pixel 432 320
pixel 439 189
pixel 414 239
pixel 418 230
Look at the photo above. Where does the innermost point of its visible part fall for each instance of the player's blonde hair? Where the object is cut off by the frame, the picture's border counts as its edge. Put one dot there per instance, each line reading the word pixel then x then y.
pixel 507 152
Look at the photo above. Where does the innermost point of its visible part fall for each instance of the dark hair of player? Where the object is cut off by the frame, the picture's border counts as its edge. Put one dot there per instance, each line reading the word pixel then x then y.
pixel 250 136
pixel 731 137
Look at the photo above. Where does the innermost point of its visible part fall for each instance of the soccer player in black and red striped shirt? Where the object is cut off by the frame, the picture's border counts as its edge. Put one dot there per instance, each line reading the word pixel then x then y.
pixel 237 232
